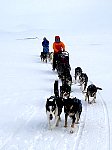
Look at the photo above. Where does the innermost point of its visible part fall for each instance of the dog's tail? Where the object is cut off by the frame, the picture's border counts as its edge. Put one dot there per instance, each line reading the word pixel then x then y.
pixel 98 88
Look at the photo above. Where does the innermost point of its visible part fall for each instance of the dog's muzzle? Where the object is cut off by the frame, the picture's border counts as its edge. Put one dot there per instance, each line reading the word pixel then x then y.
pixel 51 116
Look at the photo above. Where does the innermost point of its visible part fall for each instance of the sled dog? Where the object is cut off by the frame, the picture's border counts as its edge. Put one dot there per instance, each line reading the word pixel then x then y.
pixel 44 57
pixel 83 80
pixel 78 72
pixel 53 110
pixel 73 109
pixel 91 92
pixel 50 57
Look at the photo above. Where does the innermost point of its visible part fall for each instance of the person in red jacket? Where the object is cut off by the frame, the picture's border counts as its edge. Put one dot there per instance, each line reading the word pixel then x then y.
pixel 58 47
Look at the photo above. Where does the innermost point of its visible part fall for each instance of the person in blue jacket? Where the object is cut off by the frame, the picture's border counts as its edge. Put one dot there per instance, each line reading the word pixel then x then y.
pixel 45 45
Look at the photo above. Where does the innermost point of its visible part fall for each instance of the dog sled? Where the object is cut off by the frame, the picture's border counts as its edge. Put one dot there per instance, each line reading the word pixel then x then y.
pixel 63 57
pixel 63 65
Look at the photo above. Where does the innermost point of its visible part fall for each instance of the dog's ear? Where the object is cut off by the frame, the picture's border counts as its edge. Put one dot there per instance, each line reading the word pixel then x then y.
pixel 99 88
pixel 47 103
pixel 47 99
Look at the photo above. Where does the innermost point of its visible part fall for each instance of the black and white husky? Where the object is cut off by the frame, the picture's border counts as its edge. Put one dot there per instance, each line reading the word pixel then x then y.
pixel 83 80
pixel 53 111
pixel 73 109
pixel 78 72
pixel 91 92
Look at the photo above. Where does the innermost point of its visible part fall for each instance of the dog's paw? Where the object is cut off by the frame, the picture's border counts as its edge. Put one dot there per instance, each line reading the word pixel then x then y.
pixel 77 122
pixel 83 91
pixel 75 82
pixel 53 126
pixel 89 102
pixel 72 126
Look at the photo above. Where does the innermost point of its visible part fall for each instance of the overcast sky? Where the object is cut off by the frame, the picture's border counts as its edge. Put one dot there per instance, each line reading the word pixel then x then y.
pixel 77 14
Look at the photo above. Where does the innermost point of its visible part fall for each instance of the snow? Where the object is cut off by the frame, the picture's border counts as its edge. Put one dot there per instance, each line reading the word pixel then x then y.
pixel 26 82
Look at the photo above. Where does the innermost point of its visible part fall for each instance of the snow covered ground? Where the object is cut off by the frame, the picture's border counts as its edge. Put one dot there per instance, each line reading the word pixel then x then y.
pixel 26 82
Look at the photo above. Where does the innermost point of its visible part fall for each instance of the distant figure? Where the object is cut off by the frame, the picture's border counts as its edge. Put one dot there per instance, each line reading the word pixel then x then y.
pixel 58 47
pixel 45 53
pixel 45 45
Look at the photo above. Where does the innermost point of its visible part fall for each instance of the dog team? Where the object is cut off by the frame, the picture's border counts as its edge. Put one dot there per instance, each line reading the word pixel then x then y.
pixel 61 98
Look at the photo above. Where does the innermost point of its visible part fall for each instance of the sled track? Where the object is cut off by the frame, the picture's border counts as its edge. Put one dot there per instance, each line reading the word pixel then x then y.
pixel 80 130
pixel 107 123
pixel 81 125
pixel 76 136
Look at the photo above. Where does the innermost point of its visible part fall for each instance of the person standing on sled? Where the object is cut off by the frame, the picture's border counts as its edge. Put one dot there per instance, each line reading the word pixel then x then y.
pixel 45 45
pixel 58 47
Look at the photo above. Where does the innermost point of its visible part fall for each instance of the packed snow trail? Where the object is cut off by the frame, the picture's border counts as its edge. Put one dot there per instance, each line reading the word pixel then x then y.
pixel 97 121
pixel 29 123
pixel 26 84
pixel 34 126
